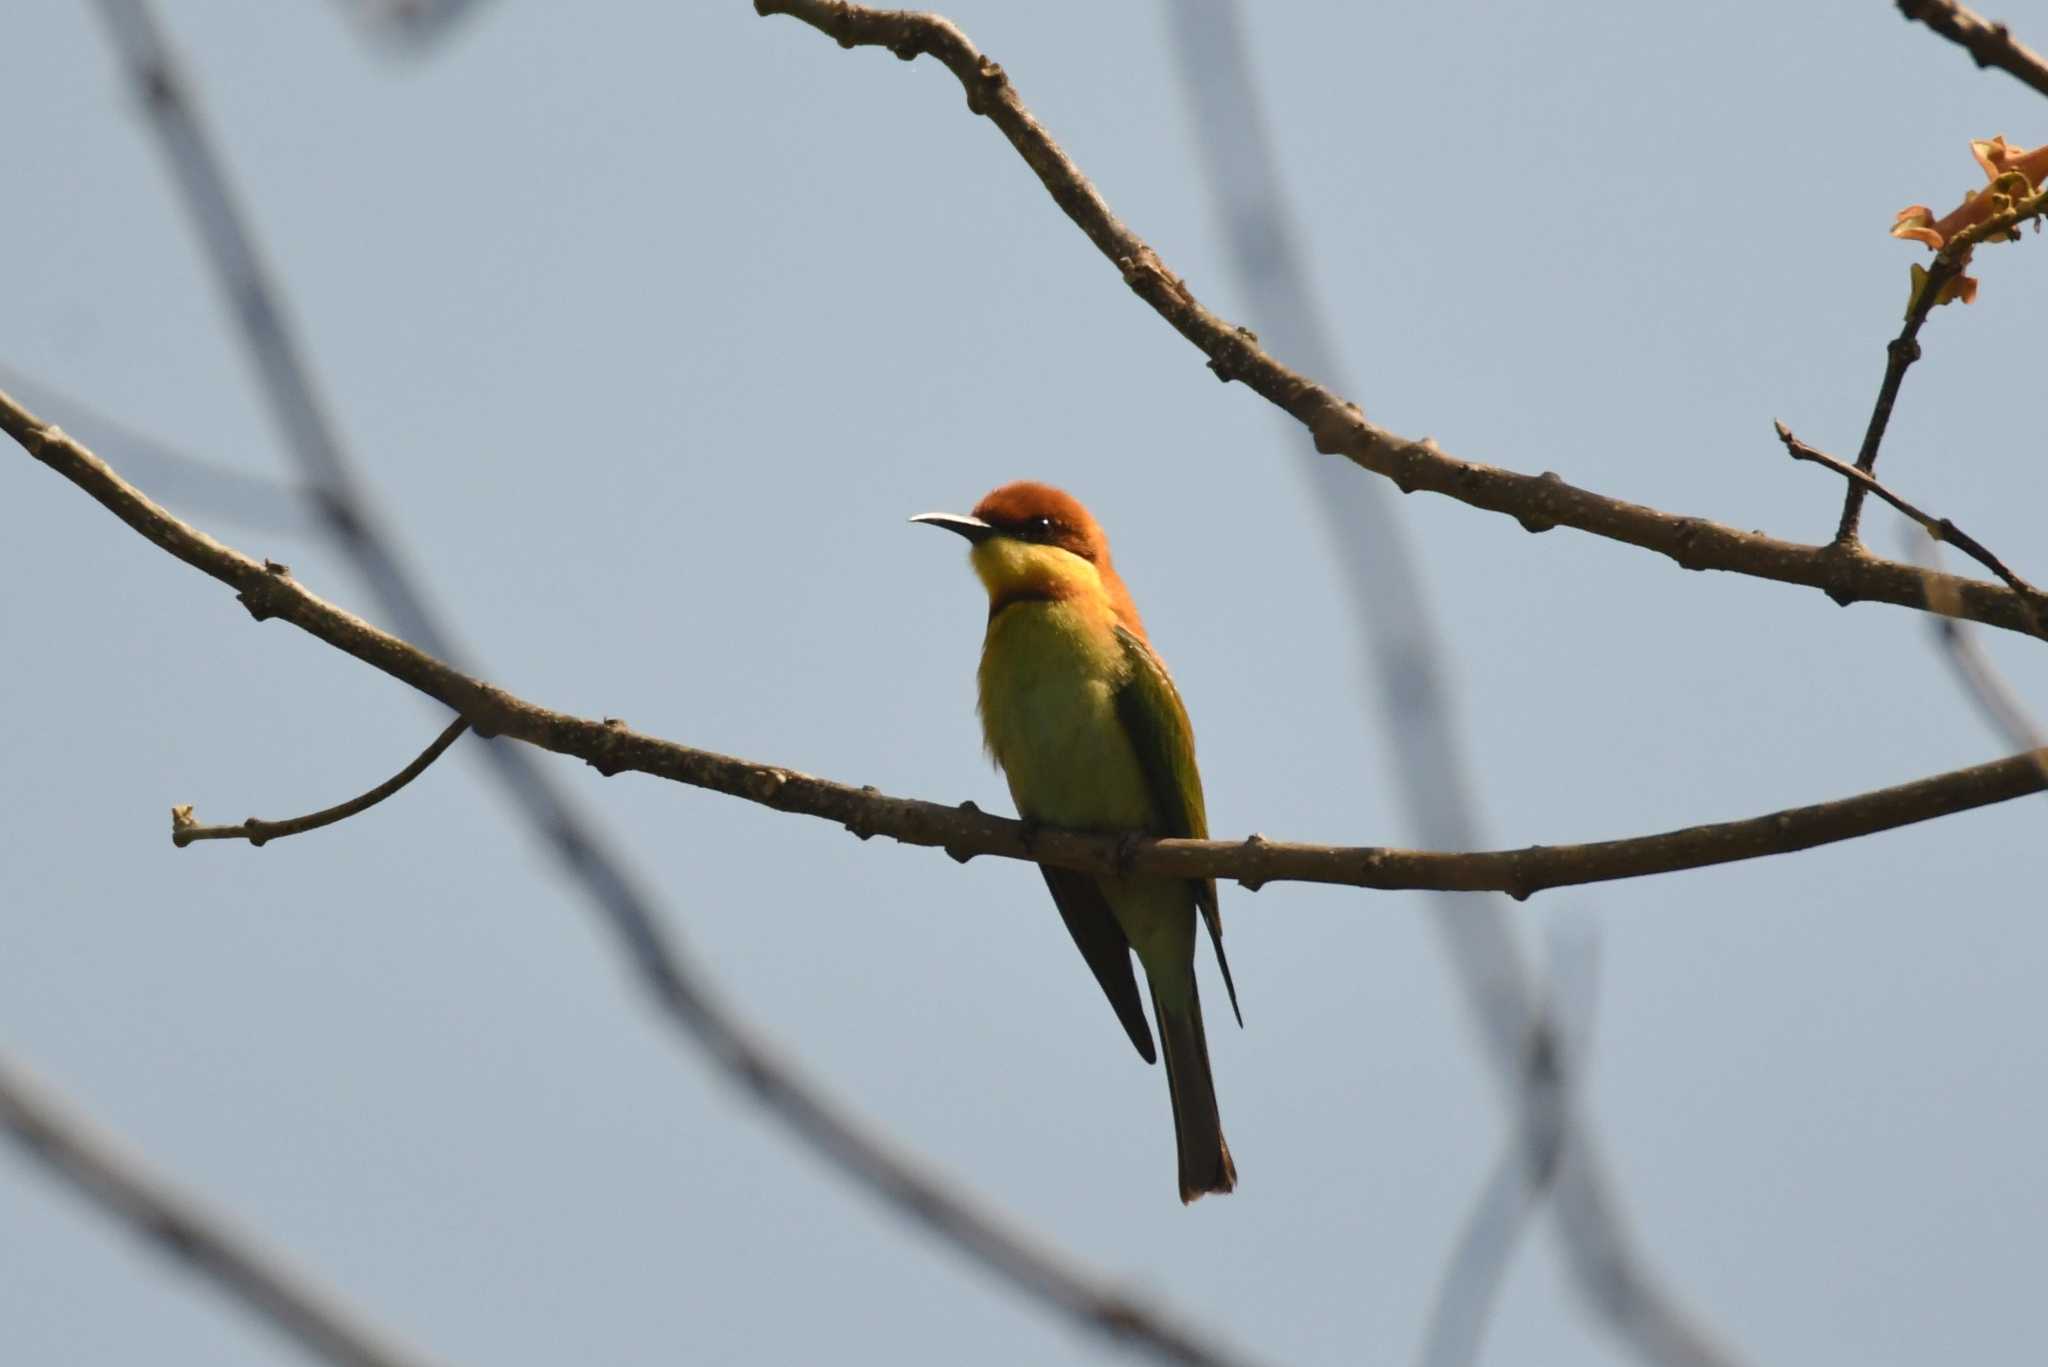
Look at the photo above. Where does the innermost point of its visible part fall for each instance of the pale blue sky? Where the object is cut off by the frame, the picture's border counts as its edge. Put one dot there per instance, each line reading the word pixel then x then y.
pixel 651 326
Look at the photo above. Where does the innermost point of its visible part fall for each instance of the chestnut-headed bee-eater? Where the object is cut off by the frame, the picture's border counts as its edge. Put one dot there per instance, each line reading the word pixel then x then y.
pixel 1088 728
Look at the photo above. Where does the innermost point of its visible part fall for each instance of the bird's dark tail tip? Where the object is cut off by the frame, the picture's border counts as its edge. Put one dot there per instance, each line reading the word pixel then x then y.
pixel 1205 1164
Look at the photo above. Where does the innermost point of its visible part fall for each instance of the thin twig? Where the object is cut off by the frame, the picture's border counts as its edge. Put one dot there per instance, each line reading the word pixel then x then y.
pixel 1904 349
pixel 185 827
pixel 1940 528
pixel 1538 502
pixel 267 590
pixel 181 1228
pixel 1899 355
pixel 684 997
pixel 1990 44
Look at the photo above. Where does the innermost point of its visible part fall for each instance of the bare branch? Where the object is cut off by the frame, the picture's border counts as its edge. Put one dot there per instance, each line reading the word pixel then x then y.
pixel 267 590
pixel 1847 574
pixel 183 1229
pixel 1941 529
pixel 1988 43
pixel 185 827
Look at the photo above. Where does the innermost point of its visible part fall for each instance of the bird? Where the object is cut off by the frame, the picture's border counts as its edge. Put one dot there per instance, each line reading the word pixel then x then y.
pixel 1078 711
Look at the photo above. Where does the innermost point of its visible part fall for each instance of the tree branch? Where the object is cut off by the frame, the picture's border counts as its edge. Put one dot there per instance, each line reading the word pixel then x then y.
pixel 1553 1062
pixel 1847 574
pixel 1988 43
pixel 1941 529
pixel 267 590
pixel 182 1229
pixel 185 828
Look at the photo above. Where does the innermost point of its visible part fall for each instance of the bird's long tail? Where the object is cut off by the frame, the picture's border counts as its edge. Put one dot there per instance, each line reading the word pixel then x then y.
pixel 1205 1164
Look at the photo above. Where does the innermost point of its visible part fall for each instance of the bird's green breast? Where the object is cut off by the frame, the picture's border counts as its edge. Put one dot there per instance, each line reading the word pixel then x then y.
pixel 1050 672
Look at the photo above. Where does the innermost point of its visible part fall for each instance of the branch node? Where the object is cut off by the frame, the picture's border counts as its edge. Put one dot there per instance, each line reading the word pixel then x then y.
pixel 489 709
pixel 1538 520
pixel 260 597
pixel 603 761
pixel 764 784
pixel 182 823
pixel 954 852
pixel 1989 53
pixel 989 89
pixel 1259 858
pixel 1689 529
pixel 1336 427
pixel 859 824
pixel 1233 354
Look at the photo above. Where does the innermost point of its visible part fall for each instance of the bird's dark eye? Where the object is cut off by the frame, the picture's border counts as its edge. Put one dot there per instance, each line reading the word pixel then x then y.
pixel 1039 528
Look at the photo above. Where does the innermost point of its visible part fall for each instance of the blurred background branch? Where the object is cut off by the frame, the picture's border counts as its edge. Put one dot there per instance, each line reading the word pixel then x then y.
pixel 174 477
pixel 1994 697
pixel 1528 1166
pixel 184 1230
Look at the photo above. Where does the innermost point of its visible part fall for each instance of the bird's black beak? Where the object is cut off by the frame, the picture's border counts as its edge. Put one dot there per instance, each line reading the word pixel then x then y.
pixel 973 528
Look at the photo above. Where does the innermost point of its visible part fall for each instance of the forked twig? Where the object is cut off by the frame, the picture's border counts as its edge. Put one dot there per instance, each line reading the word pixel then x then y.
pixel 1940 528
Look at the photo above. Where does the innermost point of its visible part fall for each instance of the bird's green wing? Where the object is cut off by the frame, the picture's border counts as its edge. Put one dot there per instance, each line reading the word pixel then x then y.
pixel 1154 718
pixel 1101 942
